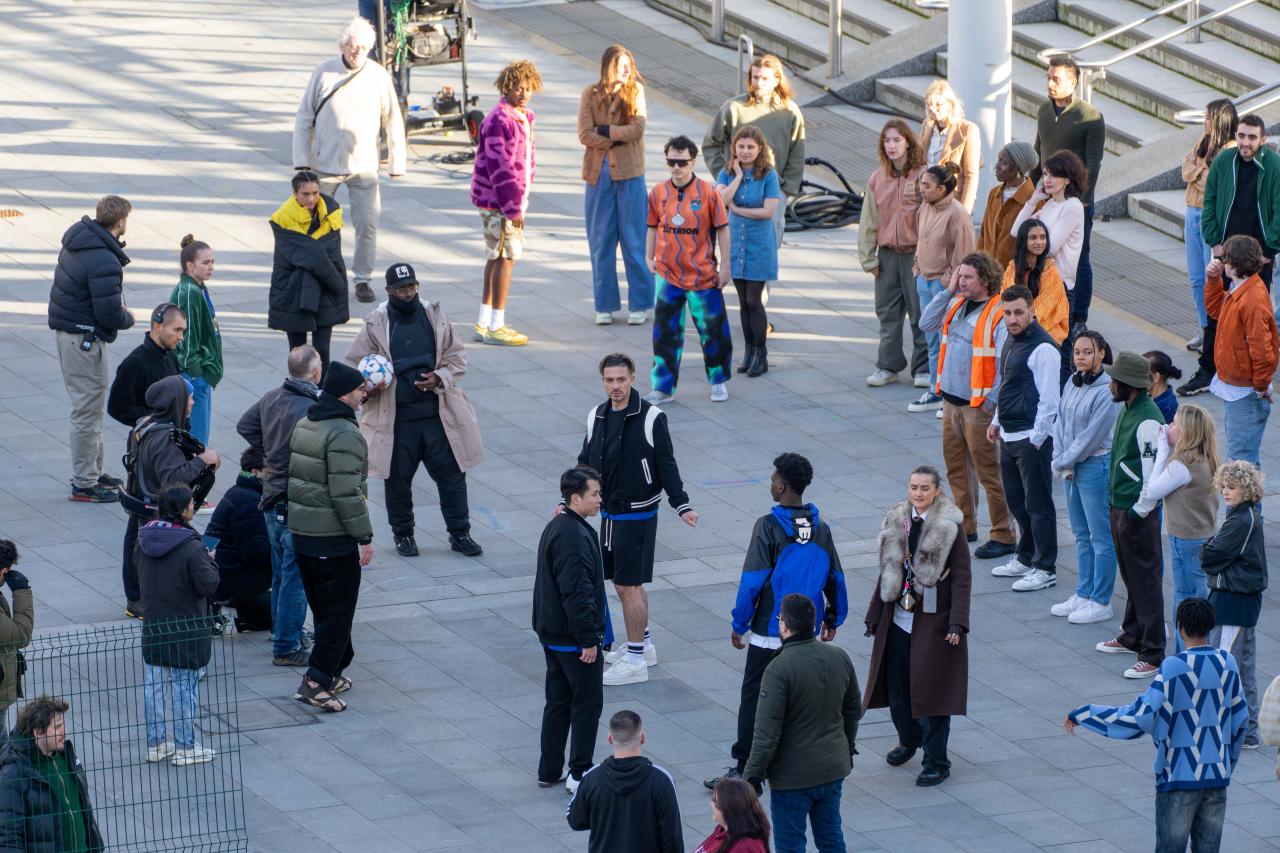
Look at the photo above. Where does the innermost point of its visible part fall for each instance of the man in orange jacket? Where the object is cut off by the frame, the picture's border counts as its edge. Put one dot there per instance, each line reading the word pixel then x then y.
pixel 1247 348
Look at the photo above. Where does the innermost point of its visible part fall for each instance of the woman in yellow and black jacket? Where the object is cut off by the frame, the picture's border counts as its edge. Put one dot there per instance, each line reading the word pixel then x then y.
pixel 308 277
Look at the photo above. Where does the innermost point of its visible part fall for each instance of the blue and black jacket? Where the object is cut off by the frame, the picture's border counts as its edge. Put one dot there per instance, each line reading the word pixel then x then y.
pixel 791 551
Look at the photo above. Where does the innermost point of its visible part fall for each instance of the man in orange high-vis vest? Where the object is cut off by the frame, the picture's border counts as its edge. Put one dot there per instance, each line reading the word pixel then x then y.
pixel 973 333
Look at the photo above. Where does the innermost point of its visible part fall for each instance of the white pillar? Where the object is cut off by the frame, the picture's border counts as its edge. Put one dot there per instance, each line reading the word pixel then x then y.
pixel 980 69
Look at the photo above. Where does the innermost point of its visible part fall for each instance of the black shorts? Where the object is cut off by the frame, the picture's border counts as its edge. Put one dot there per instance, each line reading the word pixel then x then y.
pixel 627 548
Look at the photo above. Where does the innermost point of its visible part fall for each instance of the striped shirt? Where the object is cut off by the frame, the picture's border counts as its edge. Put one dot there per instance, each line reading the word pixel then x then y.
pixel 687 219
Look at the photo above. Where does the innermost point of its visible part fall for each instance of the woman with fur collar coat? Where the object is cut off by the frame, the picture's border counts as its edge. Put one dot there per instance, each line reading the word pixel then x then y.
pixel 920 659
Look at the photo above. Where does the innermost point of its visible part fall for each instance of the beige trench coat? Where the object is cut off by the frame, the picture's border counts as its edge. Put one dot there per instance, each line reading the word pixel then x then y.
pixel 458 418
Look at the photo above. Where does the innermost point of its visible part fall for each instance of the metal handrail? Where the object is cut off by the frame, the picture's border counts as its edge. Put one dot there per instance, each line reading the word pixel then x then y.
pixel 1096 69
pixel 751 58
pixel 934 5
pixel 1197 116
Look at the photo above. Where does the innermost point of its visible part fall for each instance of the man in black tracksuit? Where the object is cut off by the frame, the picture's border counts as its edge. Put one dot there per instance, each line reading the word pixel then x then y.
pixel 150 361
pixel 569 616
pixel 627 801
pixel 628 442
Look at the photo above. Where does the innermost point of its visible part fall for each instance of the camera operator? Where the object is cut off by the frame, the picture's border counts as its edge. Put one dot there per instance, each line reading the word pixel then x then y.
pixel 161 451
pixel 16 625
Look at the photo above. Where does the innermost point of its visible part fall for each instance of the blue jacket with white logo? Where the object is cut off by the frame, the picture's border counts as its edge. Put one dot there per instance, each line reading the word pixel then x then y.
pixel 791 551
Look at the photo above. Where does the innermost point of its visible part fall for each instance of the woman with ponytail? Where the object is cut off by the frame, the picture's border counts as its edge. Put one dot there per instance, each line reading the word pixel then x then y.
pixel 199 353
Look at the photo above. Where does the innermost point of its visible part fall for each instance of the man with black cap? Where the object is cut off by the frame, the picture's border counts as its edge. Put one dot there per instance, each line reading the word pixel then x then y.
pixel 329 520
pixel 422 417
pixel 1135 529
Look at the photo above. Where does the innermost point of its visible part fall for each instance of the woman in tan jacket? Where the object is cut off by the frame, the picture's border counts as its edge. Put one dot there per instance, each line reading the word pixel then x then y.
pixel 611 119
pixel 1219 132
pixel 948 138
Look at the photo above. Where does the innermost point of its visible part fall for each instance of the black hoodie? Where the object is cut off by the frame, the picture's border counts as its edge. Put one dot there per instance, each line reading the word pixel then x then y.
pixel 176 575
pixel 160 460
pixel 630 806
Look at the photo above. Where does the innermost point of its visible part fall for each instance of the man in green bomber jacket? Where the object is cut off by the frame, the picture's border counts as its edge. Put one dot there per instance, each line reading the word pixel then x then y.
pixel 332 534
pixel 806 726
pixel 1135 528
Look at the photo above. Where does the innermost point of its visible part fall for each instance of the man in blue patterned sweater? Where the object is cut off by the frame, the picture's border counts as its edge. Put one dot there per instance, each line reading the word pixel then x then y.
pixel 1196 714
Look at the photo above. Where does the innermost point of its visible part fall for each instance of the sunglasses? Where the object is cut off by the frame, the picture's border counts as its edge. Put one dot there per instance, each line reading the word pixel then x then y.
pixel 677 163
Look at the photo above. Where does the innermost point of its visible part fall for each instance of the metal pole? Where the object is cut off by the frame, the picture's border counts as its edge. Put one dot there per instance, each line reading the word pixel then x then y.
pixel 743 38
pixel 1193 12
pixel 835 37
pixel 717 20
pixel 980 50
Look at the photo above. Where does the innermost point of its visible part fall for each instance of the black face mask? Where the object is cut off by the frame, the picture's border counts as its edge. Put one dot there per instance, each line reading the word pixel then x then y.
pixel 408 307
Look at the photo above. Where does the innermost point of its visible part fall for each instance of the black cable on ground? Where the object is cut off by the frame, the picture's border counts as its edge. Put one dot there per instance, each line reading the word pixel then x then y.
pixel 821 207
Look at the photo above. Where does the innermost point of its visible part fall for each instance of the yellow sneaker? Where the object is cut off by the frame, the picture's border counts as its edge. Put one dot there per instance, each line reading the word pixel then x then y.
pixel 478 332
pixel 506 337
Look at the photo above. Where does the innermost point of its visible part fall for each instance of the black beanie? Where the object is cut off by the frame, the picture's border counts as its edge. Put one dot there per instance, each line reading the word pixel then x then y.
pixel 340 379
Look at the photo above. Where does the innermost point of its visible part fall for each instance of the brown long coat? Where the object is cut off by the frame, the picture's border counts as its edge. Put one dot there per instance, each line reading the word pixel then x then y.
pixel 963 146
pixel 939 670
pixel 458 418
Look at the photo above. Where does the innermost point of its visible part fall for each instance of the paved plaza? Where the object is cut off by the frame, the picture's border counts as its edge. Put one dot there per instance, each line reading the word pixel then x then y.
pixel 187 110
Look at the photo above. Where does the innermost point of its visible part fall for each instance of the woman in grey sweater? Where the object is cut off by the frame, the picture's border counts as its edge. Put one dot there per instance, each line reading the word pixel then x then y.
pixel 1082 453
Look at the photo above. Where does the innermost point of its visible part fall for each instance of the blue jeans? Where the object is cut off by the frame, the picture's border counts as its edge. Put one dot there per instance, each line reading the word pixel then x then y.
pixel 615 212
pixel 1199 254
pixel 926 289
pixel 184 685
pixel 288 601
pixel 1188 578
pixel 1196 815
pixel 1088 508
pixel 201 409
pixel 1246 420
pixel 821 804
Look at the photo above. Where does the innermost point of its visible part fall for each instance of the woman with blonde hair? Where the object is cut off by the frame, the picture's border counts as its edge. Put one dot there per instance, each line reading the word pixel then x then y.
pixel 749 188
pixel 948 138
pixel 1186 463
pixel 611 122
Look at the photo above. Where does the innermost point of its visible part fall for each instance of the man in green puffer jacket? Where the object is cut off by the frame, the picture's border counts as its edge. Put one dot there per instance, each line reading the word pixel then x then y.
pixel 329 520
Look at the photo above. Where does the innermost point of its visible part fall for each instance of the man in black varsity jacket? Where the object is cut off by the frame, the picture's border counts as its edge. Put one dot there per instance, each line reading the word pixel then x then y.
pixel 628 443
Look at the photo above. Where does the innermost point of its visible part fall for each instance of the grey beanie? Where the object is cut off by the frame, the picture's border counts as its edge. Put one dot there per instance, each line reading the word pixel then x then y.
pixel 1023 155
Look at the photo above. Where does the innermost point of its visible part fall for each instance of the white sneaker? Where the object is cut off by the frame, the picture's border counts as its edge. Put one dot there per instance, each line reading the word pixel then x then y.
pixel 625 672
pixel 195 755
pixel 159 753
pixel 1034 580
pixel 604 318
pixel 1090 612
pixel 921 380
pixel 720 392
pixel 571 784
pixel 1066 608
pixel 1011 569
pixel 655 398
pixel 938 414
pixel 881 378
pixel 637 318
pixel 620 653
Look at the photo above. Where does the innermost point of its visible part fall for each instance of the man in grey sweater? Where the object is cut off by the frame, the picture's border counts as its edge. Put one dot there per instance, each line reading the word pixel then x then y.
pixel 347 104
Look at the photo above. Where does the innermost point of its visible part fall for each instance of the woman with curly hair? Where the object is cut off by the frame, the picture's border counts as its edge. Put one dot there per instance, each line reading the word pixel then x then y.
pixel 500 185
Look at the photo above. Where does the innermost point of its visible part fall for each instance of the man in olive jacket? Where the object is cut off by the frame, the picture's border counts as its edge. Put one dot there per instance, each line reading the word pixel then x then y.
pixel 16 626
pixel 329 520
pixel 806 728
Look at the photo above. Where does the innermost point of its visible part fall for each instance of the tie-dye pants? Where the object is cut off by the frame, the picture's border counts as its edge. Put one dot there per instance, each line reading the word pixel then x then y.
pixel 709 316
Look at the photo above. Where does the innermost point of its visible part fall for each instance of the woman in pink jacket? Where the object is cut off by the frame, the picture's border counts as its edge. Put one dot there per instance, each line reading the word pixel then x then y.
pixel 500 188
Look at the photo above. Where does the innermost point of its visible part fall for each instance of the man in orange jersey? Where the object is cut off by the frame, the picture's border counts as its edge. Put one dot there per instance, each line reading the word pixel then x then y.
pixel 688 249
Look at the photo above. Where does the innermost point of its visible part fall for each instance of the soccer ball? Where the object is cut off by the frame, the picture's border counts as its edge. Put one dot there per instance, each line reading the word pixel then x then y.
pixel 376 370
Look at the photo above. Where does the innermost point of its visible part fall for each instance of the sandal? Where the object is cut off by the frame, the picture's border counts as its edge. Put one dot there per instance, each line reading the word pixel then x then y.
pixel 340 684
pixel 311 693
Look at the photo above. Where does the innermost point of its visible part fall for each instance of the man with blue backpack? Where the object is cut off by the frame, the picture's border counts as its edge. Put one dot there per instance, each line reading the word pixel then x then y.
pixel 791 550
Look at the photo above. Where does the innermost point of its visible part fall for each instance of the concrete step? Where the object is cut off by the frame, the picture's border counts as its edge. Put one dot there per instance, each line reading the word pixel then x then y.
pixel 1164 211
pixel 867 21
pixel 1216 62
pixel 1127 128
pixel 1253 27
pixel 794 38
pixel 910 6
pixel 1138 82
pixel 906 95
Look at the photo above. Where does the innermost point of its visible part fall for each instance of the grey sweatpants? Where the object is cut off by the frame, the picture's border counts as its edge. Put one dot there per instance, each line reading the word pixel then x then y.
pixel 364 206
pixel 86 378
pixel 896 295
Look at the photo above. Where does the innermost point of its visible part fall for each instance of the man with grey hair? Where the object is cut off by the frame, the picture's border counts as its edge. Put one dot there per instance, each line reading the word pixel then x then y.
pixel 268 426
pixel 347 104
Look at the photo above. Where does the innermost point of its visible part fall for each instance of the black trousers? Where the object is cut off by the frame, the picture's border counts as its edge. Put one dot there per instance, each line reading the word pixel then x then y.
pixel 423 442
pixel 1140 560
pixel 128 571
pixel 1206 364
pixel 757 659
pixel 332 585
pixel 575 699
pixel 930 732
pixel 1028 490
pixel 253 611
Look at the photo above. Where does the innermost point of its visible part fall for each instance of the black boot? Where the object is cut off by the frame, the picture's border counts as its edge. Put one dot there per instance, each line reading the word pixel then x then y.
pixel 748 352
pixel 759 363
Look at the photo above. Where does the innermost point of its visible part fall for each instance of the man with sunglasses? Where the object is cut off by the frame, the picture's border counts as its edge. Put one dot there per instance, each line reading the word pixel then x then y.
pixel 150 361
pixel 688 249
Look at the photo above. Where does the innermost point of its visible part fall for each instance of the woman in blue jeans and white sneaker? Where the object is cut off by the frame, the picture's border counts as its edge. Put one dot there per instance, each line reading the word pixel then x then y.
pixel 1082 457
pixel 1186 462
pixel 1220 122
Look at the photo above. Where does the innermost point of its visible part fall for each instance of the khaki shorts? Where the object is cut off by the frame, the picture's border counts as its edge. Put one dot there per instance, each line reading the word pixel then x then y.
pixel 502 239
